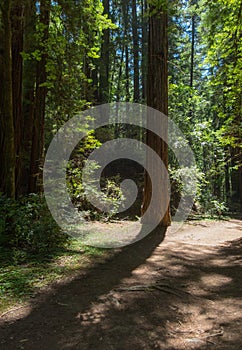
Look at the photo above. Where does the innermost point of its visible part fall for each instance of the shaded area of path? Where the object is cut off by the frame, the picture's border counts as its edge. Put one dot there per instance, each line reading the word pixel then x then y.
pixel 182 293
pixel 54 318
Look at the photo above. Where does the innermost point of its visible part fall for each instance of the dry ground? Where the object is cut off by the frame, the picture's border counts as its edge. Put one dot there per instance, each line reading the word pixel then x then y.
pixel 183 291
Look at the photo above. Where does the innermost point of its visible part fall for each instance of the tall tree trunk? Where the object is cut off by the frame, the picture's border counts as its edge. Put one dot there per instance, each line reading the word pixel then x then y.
pixel 104 62
pixel 127 91
pixel 135 50
pixel 144 50
pixel 17 16
pixel 29 76
pixel 157 97
pixel 192 52
pixel 193 22
pixel 7 153
pixel 120 75
pixel 125 15
pixel 228 185
pixel 37 151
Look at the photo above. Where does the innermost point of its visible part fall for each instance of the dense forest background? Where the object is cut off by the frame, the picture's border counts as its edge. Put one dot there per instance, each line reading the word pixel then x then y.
pixel 58 58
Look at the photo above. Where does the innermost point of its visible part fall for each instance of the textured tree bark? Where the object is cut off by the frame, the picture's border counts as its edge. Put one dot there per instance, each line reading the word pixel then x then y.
pixel 17 17
pixel 192 52
pixel 144 50
pixel 37 151
pixel 120 75
pixel 104 62
pixel 135 51
pixel 127 92
pixel 125 10
pixel 157 97
pixel 7 149
pixel 29 76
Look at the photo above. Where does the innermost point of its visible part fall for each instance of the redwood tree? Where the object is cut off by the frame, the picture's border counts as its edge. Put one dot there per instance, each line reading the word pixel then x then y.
pixel 7 153
pixel 17 26
pixel 157 97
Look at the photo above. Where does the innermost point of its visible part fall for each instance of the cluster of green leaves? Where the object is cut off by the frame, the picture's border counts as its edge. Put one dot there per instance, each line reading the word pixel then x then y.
pixel 27 224
pixel 111 196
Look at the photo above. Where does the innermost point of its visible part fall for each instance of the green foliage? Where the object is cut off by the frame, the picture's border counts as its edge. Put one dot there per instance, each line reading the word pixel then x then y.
pixel 213 206
pixel 110 197
pixel 27 224
pixel 180 188
pixel 209 112
pixel 221 27
pixel 157 6
pixel 73 51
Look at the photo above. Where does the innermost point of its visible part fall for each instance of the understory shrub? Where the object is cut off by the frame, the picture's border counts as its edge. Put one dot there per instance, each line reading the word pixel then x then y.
pixel 110 197
pixel 27 224
pixel 205 203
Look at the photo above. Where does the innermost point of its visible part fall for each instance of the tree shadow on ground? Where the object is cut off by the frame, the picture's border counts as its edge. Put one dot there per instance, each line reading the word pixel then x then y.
pixel 49 318
pixel 198 304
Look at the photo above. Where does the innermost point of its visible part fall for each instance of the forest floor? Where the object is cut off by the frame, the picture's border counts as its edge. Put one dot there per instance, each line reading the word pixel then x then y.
pixel 179 291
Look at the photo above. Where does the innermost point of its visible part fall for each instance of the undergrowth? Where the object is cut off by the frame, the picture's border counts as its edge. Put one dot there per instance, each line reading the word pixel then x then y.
pixel 24 274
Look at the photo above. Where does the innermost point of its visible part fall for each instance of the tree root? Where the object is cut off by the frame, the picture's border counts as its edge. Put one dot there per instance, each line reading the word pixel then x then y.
pixel 165 288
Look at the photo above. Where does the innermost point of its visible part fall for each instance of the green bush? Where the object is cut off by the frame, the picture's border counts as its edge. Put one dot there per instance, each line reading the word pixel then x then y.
pixel 111 195
pixel 27 224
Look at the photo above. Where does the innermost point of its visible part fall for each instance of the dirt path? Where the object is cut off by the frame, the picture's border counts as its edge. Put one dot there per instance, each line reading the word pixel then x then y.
pixel 181 292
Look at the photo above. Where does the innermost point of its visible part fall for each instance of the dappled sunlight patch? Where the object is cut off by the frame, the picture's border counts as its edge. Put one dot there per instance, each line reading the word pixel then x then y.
pixel 15 311
pixel 214 280
pixel 198 292
pixel 222 262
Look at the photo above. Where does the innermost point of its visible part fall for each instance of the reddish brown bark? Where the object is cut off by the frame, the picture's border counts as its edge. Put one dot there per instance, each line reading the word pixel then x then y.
pixel 7 149
pixel 17 17
pixel 157 97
